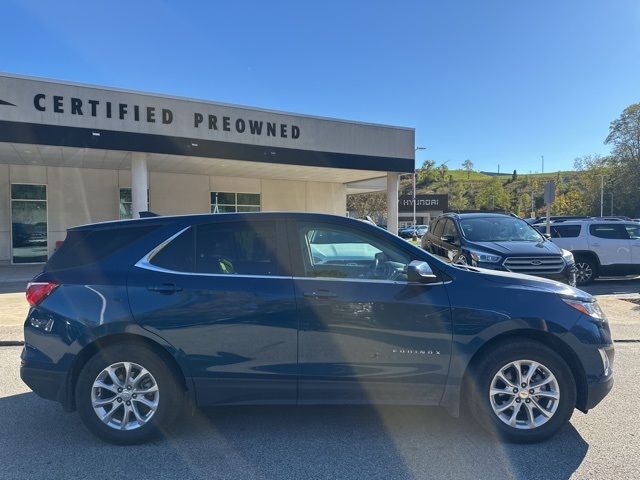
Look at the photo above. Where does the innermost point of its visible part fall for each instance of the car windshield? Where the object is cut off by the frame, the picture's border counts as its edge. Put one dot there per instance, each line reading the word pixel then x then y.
pixel 498 229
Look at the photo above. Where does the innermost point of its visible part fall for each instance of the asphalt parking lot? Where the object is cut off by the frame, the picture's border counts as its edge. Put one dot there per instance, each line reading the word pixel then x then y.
pixel 39 440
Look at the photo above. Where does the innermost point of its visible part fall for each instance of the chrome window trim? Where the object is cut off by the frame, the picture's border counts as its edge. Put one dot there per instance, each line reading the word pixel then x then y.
pixel 145 262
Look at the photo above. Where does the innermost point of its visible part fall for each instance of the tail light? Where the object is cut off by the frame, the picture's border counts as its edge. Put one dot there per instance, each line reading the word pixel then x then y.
pixel 38 291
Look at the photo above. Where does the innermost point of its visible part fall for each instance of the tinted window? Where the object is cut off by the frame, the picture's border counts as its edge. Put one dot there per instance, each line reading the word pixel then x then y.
pixel 603 230
pixel 237 248
pixel 633 231
pixel 339 252
pixel 437 230
pixel 563 231
pixel 178 255
pixel 450 229
pixel 82 247
pixel 498 229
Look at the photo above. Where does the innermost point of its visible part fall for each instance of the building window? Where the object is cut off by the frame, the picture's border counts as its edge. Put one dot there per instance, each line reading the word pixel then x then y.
pixel 225 202
pixel 126 203
pixel 28 223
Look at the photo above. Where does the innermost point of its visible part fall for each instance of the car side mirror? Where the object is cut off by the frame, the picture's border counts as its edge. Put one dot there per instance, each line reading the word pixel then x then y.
pixel 420 272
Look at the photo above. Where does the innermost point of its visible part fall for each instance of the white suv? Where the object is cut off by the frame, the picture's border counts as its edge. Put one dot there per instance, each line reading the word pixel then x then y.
pixel 600 247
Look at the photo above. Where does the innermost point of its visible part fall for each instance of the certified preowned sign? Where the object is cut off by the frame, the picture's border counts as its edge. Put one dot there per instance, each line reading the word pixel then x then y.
pixel 152 114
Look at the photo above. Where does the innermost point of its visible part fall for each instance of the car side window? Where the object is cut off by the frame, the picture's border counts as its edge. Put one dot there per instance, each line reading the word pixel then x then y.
pixel 237 248
pixel 178 255
pixel 608 230
pixel 562 231
pixel 450 230
pixel 437 229
pixel 633 231
pixel 340 252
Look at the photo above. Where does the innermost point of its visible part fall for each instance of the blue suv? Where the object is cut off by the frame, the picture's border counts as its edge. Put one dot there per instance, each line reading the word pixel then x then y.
pixel 499 242
pixel 130 320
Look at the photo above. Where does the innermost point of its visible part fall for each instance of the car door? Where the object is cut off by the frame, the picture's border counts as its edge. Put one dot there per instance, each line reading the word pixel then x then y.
pixel 633 230
pixel 435 242
pixel 221 294
pixel 366 334
pixel 611 243
pixel 450 241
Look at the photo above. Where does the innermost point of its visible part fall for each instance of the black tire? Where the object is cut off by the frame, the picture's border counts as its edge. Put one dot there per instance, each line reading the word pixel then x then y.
pixel 586 270
pixel 169 401
pixel 478 386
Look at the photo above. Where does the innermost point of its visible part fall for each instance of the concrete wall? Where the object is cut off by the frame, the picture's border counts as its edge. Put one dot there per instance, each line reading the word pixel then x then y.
pixel 80 195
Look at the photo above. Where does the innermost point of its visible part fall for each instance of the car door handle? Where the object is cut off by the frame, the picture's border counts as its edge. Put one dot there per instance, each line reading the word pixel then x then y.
pixel 595 244
pixel 165 288
pixel 319 294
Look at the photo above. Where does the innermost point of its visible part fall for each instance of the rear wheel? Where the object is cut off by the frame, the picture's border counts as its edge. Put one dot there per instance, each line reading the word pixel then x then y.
pixel 586 270
pixel 125 394
pixel 522 392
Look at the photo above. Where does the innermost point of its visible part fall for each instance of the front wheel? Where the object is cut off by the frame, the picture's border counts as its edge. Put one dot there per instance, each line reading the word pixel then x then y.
pixel 126 394
pixel 522 391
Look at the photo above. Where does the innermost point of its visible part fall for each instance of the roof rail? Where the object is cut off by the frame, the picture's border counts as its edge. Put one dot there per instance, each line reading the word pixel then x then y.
pixel 148 214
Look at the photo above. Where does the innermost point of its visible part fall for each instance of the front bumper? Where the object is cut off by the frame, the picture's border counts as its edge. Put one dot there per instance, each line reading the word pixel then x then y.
pixel 596 392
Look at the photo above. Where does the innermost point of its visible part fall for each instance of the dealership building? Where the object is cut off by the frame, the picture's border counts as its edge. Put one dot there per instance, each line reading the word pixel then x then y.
pixel 72 154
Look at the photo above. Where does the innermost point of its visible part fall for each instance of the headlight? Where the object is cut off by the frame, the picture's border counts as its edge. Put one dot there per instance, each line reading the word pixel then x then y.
pixel 484 257
pixel 567 256
pixel 591 309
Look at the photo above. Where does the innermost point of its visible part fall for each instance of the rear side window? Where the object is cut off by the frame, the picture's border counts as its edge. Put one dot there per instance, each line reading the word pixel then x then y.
pixel 437 230
pixel 237 248
pixel 83 247
pixel 564 231
pixel 607 230
pixel 178 255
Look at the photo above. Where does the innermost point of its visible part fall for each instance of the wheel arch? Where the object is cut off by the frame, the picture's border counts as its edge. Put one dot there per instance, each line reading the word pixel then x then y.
pixel 589 254
pixel 545 338
pixel 89 350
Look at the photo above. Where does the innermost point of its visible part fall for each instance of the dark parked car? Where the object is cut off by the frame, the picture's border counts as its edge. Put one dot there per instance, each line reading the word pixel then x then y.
pixel 498 242
pixel 408 232
pixel 131 319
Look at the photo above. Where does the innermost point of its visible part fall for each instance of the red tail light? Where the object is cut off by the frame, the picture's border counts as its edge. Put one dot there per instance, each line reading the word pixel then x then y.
pixel 38 291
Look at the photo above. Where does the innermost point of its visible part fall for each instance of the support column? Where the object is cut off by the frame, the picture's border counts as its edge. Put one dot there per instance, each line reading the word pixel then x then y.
pixel 139 183
pixel 392 202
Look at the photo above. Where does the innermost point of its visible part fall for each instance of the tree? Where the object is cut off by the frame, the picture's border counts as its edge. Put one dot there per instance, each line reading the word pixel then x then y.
pixel 443 169
pixel 371 204
pixel 468 166
pixel 457 197
pixel 624 135
pixel 514 176
pixel 493 196
pixel 427 173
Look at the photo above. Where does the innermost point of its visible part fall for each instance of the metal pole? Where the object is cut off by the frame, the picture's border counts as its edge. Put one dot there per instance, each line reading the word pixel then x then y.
pixel 414 198
pixel 612 203
pixel 601 195
pixel 542 163
pixel 548 219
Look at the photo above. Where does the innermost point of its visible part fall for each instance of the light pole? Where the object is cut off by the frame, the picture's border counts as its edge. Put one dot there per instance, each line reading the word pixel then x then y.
pixel 414 189
pixel 602 195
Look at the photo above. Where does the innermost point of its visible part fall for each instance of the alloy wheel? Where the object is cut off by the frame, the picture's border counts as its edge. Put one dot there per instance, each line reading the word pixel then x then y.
pixel 584 272
pixel 524 394
pixel 125 396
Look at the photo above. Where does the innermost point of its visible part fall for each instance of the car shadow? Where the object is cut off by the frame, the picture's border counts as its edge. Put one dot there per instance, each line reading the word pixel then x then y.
pixel 40 440
pixel 613 286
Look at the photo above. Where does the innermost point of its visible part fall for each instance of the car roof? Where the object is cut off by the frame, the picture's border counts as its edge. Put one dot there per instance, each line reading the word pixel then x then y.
pixel 477 215
pixel 214 217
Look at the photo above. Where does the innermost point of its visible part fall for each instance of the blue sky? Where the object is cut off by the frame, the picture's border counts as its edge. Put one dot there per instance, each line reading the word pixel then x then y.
pixel 498 82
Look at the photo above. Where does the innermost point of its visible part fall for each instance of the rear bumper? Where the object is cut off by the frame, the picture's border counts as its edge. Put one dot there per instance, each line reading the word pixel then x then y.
pixel 45 383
